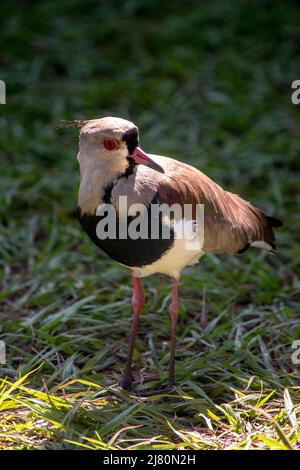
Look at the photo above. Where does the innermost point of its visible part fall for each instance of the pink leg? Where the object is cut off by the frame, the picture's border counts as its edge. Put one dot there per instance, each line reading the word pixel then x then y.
pixel 173 311
pixel 138 300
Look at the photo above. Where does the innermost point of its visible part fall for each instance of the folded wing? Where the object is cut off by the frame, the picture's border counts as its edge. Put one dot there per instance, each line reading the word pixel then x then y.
pixel 231 224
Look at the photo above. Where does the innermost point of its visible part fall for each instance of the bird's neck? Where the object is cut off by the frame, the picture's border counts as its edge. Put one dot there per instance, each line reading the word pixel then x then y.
pixel 94 184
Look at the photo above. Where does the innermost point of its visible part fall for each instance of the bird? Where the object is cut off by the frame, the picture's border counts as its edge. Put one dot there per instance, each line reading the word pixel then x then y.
pixel 113 165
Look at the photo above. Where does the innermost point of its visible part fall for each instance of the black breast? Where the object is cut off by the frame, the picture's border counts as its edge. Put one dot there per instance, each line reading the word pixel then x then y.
pixel 132 253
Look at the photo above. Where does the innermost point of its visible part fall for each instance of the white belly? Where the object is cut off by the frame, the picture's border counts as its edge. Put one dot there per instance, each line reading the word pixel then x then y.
pixel 185 251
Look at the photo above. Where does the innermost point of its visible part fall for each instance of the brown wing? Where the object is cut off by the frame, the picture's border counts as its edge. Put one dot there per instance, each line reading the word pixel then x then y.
pixel 231 224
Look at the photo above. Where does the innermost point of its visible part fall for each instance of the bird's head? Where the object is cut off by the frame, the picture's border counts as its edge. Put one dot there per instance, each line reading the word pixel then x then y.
pixel 111 145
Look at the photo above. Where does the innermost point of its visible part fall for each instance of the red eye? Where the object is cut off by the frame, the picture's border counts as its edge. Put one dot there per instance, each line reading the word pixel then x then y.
pixel 110 144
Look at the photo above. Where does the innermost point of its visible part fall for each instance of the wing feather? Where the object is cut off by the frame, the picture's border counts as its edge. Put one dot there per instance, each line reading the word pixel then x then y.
pixel 230 222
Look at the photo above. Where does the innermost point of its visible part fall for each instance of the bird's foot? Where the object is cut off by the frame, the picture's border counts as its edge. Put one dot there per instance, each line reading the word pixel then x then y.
pixel 126 383
pixel 161 391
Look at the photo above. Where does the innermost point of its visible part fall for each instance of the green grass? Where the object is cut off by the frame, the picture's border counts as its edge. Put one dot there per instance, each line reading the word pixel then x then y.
pixel 208 83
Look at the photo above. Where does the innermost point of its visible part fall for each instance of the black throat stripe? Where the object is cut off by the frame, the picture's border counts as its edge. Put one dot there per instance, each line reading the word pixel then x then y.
pixel 131 138
pixel 106 195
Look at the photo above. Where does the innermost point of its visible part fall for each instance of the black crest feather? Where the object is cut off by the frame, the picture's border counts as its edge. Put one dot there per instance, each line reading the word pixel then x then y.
pixel 75 123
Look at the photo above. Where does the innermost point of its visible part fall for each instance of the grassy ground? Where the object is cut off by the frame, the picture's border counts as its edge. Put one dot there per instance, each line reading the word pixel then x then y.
pixel 208 83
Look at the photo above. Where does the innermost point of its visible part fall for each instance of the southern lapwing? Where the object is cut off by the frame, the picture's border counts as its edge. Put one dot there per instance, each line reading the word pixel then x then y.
pixel 112 165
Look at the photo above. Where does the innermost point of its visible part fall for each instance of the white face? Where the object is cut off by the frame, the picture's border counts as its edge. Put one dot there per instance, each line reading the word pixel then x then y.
pixel 105 150
pixel 102 144
pixel 107 147
pixel 102 157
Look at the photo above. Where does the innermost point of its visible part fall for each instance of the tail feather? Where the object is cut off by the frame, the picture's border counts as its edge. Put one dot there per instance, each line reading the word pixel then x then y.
pixel 267 241
pixel 273 221
pixel 269 246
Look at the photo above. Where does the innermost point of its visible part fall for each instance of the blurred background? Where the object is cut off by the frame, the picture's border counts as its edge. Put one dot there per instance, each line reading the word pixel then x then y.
pixel 206 82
